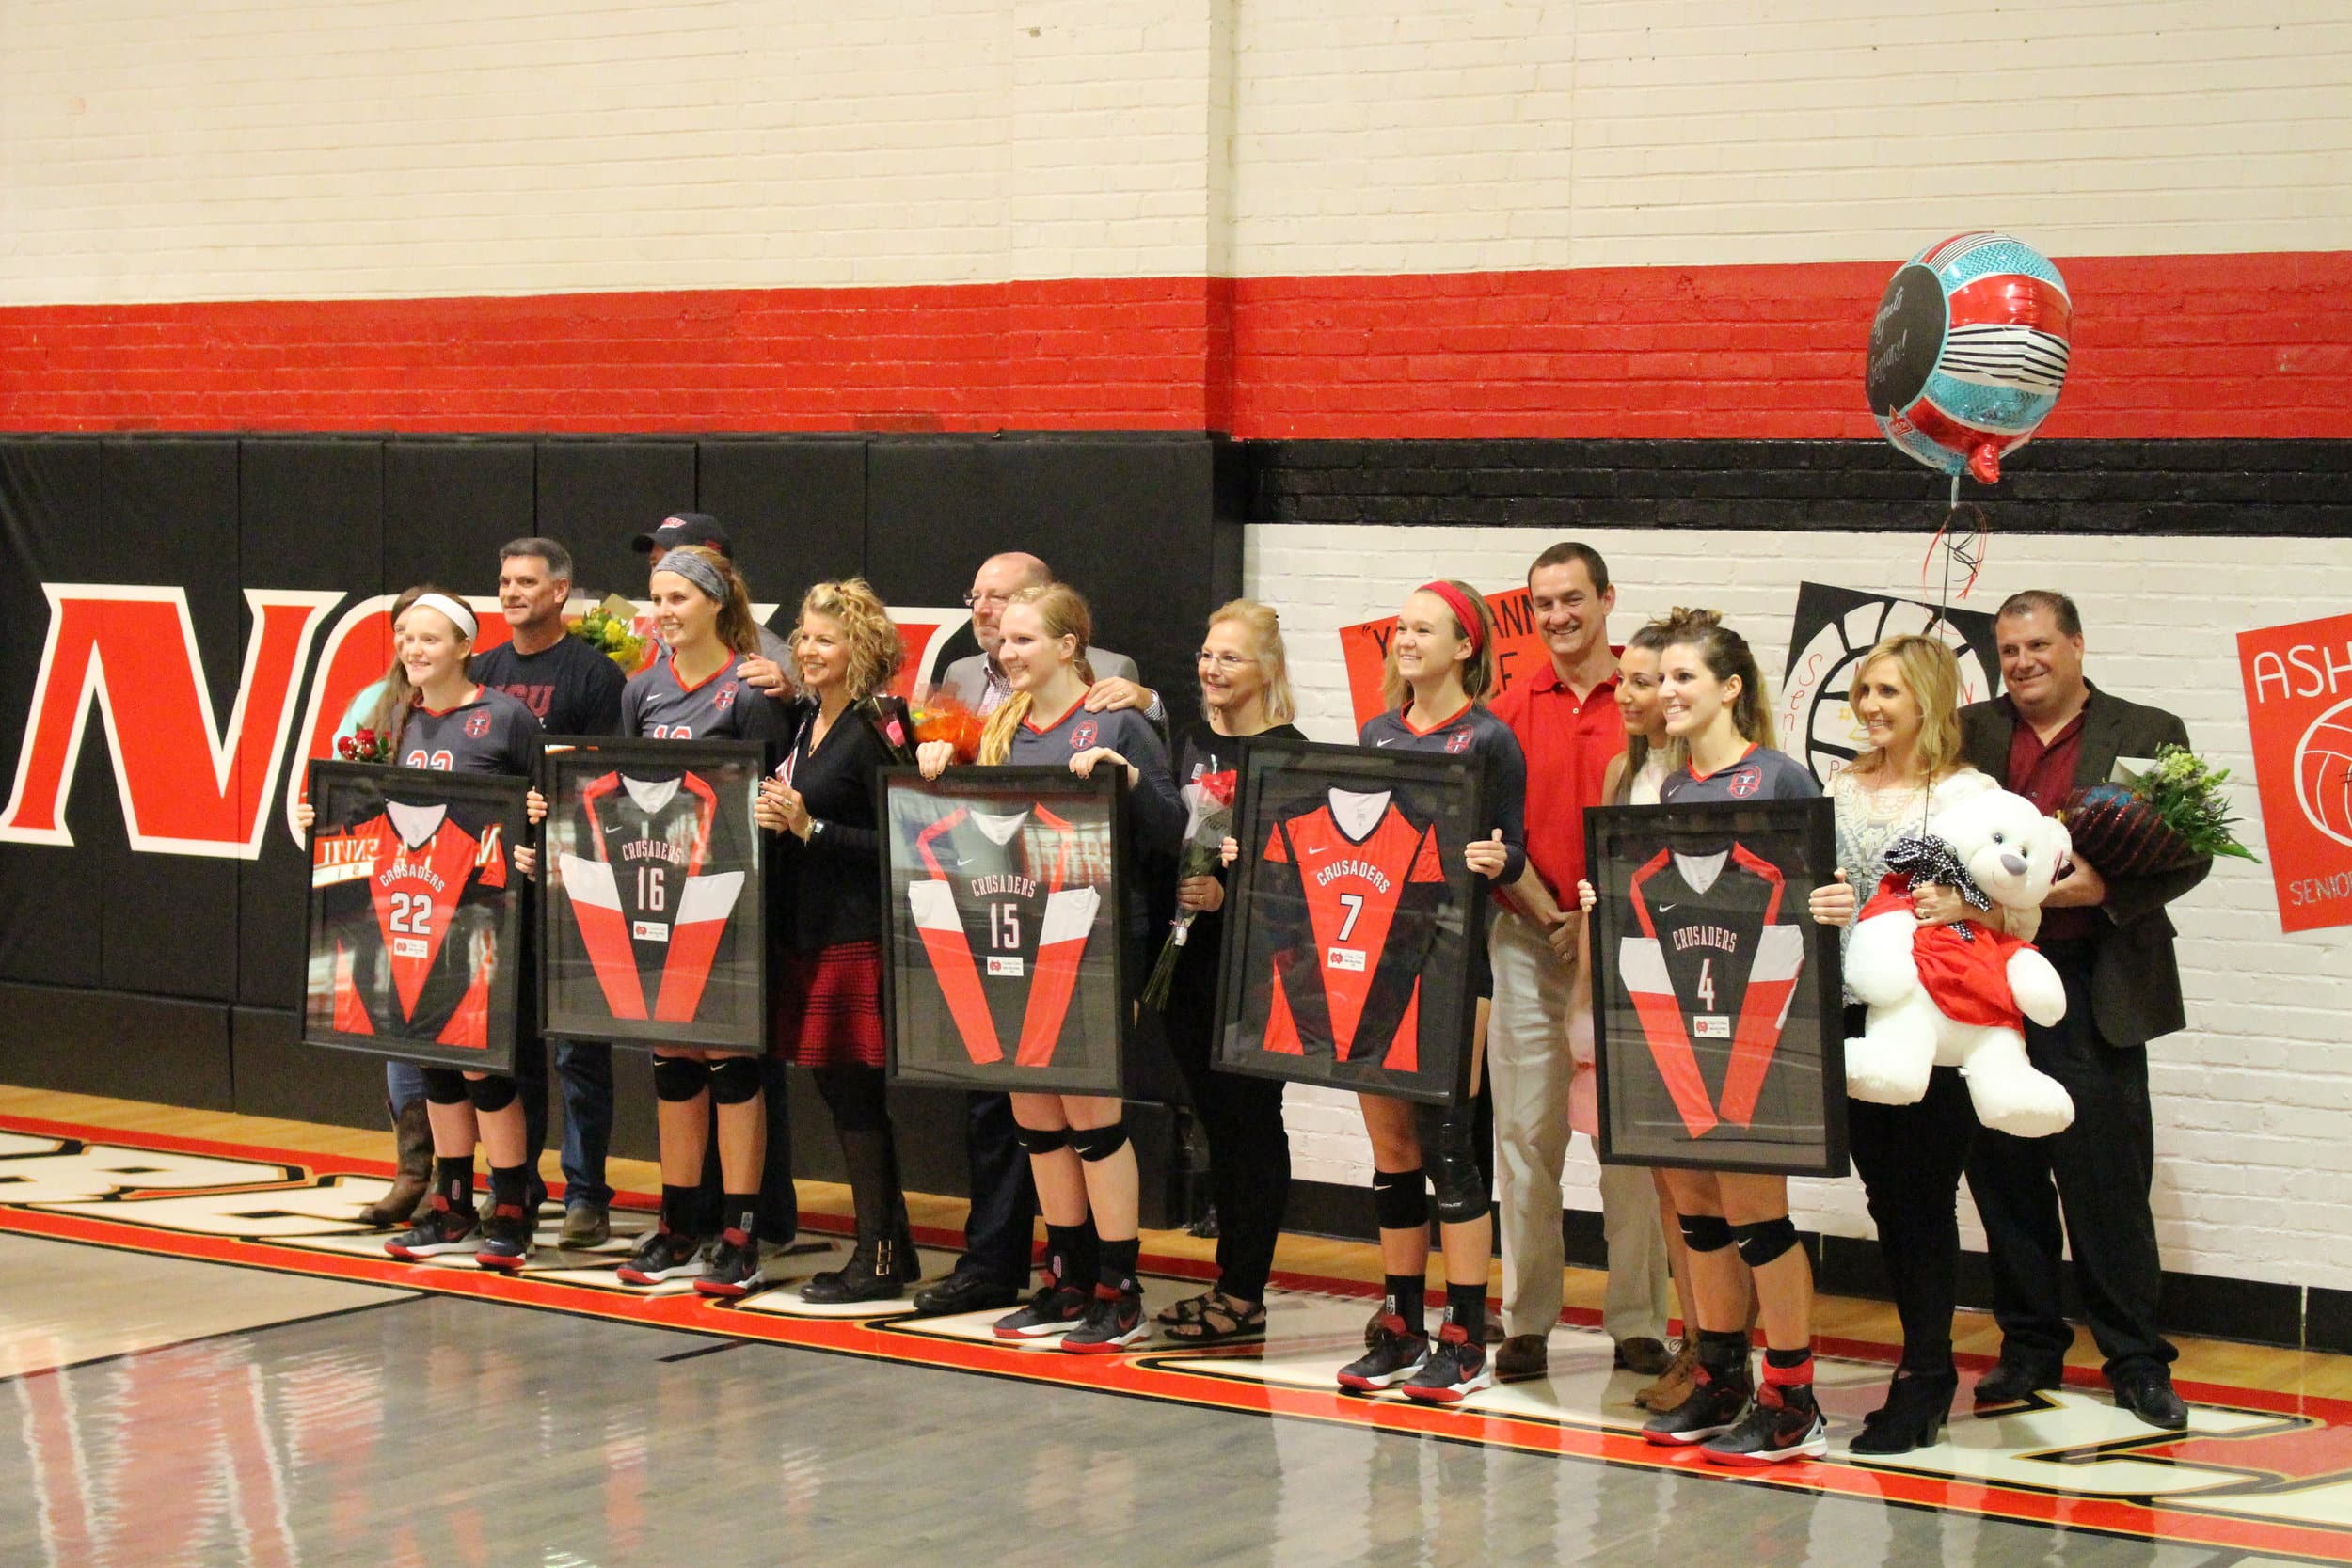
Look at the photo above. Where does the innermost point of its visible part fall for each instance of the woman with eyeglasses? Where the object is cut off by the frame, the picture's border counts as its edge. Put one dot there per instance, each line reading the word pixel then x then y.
pixel 1245 690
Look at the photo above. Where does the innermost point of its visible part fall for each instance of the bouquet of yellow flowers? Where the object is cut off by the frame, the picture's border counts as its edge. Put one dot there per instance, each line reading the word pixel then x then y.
pixel 611 628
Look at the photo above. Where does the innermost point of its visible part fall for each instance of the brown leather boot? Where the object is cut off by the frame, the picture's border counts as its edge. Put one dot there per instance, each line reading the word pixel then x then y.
pixel 412 1133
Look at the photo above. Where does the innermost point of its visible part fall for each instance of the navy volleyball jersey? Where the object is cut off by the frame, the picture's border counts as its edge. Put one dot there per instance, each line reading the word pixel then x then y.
pixel 1156 812
pixel 657 706
pixel 492 734
pixel 1760 774
pixel 1473 732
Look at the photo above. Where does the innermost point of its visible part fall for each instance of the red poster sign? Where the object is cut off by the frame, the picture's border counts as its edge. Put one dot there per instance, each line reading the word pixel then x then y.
pixel 2299 704
pixel 1518 650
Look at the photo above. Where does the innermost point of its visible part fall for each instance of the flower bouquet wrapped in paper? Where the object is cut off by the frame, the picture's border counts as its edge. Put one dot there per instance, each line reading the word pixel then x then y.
pixel 2154 819
pixel 1209 818
pixel 611 629
pixel 940 715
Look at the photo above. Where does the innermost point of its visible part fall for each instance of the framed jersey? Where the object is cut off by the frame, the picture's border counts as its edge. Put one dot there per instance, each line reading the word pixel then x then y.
pixel 1004 889
pixel 653 925
pixel 1350 918
pixel 415 922
pixel 1717 1030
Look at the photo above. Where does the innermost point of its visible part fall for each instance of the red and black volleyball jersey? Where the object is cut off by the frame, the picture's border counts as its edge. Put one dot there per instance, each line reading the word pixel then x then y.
pixel 409 901
pixel 1005 915
pixel 653 917
pixel 1347 975
pixel 1712 977
pixel 492 734
pixel 658 706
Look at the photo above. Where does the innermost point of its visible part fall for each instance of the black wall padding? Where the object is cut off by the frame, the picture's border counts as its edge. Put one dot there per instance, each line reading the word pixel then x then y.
pixel 594 495
pixel 449 505
pixel 310 514
pixel 51 514
pixel 169 515
pixel 795 509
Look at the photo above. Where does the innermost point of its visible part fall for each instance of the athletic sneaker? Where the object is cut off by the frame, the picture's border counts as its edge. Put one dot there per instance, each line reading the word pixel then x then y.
pixel 1710 1409
pixel 440 1229
pixel 1770 1433
pixel 1395 1355
pixel 1110 1322
pixel 1056 1308
pixel 1456 1367
pixel 662 1256
pixel 506 1235
pixel 734 1267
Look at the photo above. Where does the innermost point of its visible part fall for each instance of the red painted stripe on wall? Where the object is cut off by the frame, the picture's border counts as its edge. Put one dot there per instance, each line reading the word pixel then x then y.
pixel 2165 347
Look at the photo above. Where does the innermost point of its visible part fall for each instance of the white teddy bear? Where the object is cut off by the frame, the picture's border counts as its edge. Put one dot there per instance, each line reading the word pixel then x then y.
pixel 1953 995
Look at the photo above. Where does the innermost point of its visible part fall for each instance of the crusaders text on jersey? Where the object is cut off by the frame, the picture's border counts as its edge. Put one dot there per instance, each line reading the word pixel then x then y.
pixel 410 907
pixel 649 917
pixel 1347 975
pixel 1713 969
pixel 492 734
pixel 1005 917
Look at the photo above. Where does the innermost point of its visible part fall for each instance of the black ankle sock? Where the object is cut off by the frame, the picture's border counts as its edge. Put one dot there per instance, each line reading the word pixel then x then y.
pixel 454 1180
pixel 1465 1304
pixel 1406 1293
pixel 677 1209
pixel 1069 1253
pixel 509 1186
pixel 1724 1353
pixel 1785 1359
pixel 1118 1271
pixel 740 1212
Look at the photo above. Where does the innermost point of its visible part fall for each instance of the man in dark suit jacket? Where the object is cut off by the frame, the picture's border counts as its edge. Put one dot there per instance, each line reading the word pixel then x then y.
pixel 2111 942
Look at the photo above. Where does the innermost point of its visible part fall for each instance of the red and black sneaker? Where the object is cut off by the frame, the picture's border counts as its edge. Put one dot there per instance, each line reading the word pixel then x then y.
pixel 1056 1308
pixel 506 1235
pixel 1710 1409
pixel 734 1269
pixel 1394 1353
pixel 1457 1367
pixel 440 1229
pixel 1113 1319
pixel 662 1256
pixel 1776 1429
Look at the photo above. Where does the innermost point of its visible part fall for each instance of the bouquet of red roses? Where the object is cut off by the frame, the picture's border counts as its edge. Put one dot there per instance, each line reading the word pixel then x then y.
pixel 2143 824
pixel 364 745
pixel 1209 821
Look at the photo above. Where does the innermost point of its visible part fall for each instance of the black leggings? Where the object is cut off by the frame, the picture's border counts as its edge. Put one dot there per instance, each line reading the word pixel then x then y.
pixel 856 1096
pixel 1910 1158
pixel 1249 1153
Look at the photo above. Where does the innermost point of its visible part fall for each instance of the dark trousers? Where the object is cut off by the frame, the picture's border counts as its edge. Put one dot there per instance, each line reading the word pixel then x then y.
pixel 583 1071
pixel 1249 1153
pixel 2098 1171
pixel 1910 1158
pixel 997 1230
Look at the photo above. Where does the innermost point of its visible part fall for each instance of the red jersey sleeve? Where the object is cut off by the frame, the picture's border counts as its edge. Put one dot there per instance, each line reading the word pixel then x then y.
pixel 1274 849
pixel 490 858
pixel 1426 864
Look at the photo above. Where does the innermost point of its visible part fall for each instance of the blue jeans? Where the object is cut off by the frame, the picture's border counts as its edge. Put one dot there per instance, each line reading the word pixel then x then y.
pixel 585 1069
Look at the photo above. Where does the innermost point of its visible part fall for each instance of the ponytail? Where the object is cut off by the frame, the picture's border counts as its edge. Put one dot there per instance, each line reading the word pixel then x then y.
pixel 1726 653
pixel 736 630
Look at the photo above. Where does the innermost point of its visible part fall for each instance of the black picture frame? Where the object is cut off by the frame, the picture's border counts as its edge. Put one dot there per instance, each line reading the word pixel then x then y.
pixel 943 1025
pixel 1755 1086
pixel 363 919
pixel 618 962
pixel 1428 804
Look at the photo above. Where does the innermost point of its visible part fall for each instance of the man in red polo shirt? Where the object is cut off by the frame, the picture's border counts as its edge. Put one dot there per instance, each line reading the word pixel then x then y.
pixel 1565 717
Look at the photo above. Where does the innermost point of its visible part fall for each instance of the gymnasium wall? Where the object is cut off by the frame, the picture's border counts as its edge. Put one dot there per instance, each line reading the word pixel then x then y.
pixel 1456 282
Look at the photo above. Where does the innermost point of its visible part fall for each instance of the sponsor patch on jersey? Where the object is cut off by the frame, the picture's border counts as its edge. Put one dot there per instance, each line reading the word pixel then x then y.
pixel 1351 958
pixel 1744 782
pixel 1006 969
pixel 408 947
pixel 1083 735
pixel 650 930
pixel 1711 1026
pixel 1458 742
pixel 477 724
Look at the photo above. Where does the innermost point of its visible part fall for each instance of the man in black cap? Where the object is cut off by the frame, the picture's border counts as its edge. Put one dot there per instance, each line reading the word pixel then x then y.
pixel 771 671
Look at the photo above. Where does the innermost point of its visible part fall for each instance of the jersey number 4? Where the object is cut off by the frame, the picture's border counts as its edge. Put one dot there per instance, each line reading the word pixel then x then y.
pixel 1705 988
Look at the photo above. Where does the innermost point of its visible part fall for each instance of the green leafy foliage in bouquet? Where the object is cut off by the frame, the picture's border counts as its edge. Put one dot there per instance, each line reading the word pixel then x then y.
pixel 2186 791
pixel 609 628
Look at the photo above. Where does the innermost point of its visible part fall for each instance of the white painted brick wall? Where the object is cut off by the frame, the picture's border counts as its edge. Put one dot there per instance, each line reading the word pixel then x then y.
pixel 248 148
pixel 2253 1099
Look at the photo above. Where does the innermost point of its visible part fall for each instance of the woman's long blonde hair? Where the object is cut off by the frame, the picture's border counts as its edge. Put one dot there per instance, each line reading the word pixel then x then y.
pixel 875 648
pixel 1479 672
pixel 1063 611
pixel 398 699
pixel 1931 672
pixel 1264 624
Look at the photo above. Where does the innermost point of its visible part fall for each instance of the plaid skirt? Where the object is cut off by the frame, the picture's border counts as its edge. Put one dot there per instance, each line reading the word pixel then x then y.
pixel 829 1005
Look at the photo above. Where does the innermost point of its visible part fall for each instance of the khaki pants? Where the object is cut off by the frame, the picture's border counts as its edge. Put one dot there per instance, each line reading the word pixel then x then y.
pixel 1529 1064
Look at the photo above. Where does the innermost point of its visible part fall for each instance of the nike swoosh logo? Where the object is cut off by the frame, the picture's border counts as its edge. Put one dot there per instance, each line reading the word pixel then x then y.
pixel 1663 907
pixel 1385 740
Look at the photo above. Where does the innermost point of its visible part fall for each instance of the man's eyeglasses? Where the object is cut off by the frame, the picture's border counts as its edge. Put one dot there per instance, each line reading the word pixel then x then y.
pixel 1227 662
pixel 974 601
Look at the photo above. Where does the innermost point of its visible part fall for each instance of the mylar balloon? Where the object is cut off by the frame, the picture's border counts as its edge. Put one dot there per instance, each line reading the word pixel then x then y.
pixel 1968 352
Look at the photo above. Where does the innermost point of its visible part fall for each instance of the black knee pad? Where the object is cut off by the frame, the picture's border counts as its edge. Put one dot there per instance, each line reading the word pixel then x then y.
pixel 734 1080
pixel 1764 1241
pixel 1449 1149
pixel 1099 1143
pixel 1400 1200
pixel 493 1093
pixel 445 1086
pixel 678 1079
pixel 1042 1140
pixel 1705 1232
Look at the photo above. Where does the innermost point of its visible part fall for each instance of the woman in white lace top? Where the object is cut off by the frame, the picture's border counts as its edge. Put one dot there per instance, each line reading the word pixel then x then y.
pixel 1906 694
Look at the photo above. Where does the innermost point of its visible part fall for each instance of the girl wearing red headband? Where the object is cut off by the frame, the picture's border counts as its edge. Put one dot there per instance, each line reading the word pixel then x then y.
pixel 1440 667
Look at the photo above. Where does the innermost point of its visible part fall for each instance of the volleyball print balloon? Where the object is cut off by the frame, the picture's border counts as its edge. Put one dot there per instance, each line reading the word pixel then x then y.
pixel 1968 352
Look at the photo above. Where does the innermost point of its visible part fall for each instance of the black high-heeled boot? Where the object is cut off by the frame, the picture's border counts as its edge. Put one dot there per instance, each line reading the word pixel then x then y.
pixel 1913 1417
pixel 883 1262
